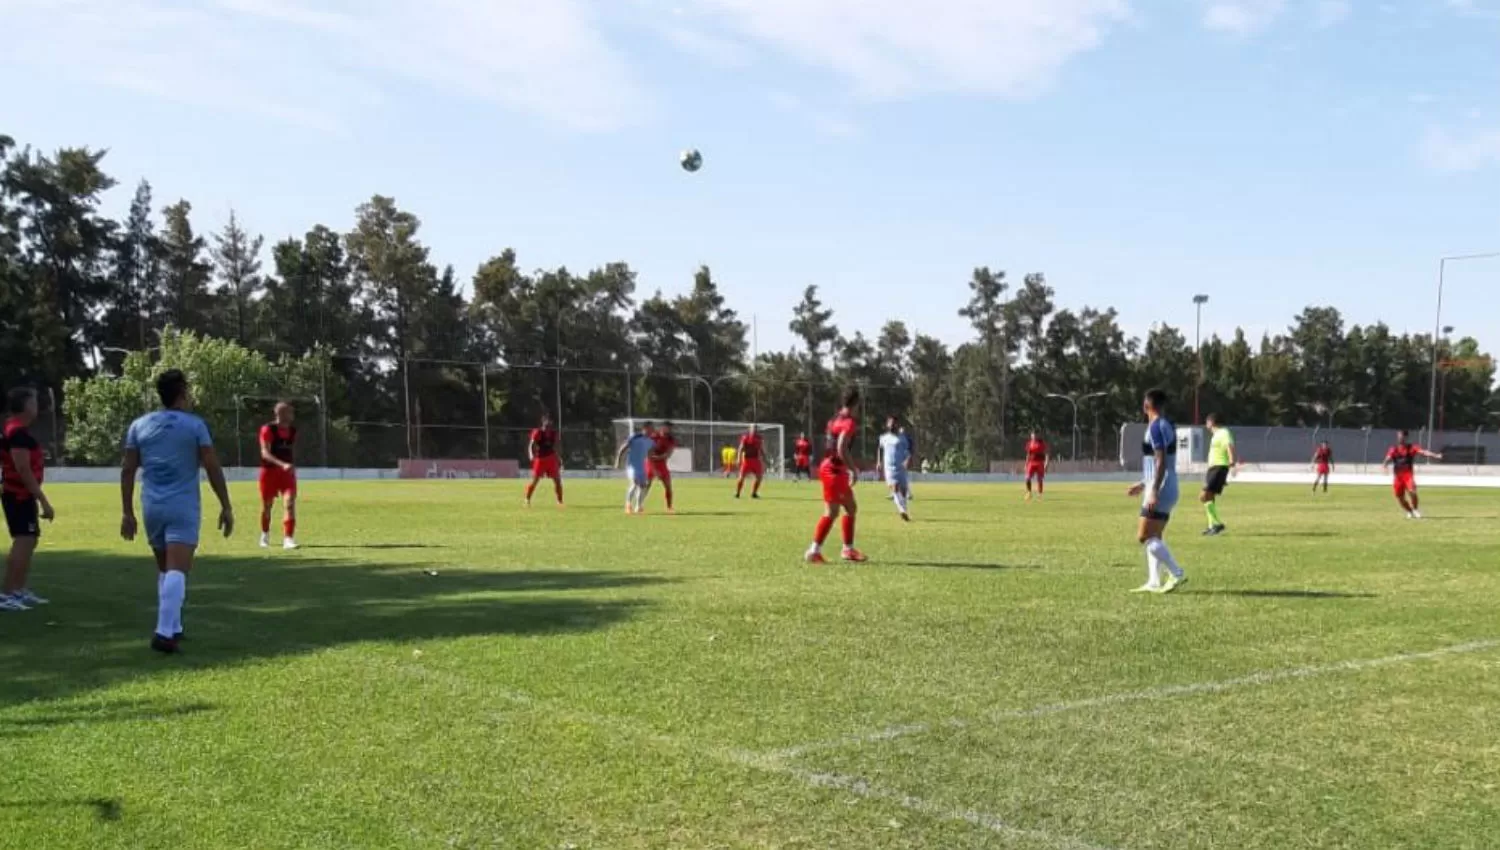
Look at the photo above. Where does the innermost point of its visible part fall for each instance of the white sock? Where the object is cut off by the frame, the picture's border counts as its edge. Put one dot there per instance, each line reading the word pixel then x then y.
pixel 630 495
pixel 900 502
pixel 1157 549
pixel 172 590
pixel 1153 570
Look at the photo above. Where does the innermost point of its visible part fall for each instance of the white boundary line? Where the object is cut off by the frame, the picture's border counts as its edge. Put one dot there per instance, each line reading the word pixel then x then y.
pixel 765 763
pixel 1265 677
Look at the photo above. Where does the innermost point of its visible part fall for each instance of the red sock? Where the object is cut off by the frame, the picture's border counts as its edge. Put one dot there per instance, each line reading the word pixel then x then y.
pixel 825 525
pixel 289 527
pixel 557 486
pixel 669 498
pixel 1041 485
pixel 848 528
pixel 530 488
pixel 265 522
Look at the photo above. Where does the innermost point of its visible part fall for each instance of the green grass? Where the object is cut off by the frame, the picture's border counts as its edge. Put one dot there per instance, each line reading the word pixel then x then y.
pixel 583 679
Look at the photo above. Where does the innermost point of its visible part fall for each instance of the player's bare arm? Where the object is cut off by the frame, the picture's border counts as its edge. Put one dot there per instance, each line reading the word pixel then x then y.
pixel 210 461
pixel 128 466
pixel 21 460
pixel 1430 455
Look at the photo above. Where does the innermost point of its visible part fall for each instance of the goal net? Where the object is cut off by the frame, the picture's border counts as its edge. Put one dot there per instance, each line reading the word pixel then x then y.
pixel 700 444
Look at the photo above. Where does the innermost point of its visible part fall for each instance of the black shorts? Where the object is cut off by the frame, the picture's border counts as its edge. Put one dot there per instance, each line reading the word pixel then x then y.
pixel 22 516
pixel 1216 480
pixel 1159 516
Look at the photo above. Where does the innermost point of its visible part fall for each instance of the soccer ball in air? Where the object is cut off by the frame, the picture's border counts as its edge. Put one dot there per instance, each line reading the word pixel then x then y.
pixel 691 160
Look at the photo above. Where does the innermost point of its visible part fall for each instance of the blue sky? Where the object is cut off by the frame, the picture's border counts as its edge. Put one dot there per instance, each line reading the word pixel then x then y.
pixel 1270 153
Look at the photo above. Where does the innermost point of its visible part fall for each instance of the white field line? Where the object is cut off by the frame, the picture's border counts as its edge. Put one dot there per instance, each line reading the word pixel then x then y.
pixel 755 761
pixel 1267 677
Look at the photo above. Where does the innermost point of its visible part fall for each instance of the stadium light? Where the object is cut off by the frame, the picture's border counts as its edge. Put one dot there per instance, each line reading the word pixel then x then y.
pixel 1437 327
pixel 1075 401
pixel 1198 302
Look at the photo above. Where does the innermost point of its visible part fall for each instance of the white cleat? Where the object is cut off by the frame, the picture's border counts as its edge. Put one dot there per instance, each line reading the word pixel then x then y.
pixel 1416 514
pixel 265 541
pixel 27 598
pixel 289 543
pixel 1148 588
pixel 1172 584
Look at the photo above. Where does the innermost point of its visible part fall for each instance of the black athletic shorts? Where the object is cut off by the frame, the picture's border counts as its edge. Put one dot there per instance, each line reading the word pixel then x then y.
pixel 22 516
pixel 1217 480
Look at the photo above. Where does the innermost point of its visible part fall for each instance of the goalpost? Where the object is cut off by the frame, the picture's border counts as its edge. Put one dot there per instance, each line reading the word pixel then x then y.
pixel 699 443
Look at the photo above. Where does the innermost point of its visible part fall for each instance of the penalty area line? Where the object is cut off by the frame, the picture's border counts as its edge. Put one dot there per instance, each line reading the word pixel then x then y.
pixel 1265 677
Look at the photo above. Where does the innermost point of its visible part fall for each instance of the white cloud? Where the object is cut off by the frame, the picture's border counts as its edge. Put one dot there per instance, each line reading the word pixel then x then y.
pixel 1447 152
pixel 1242 17
pixel 901 48
pixel 710 48
pixel 1329 13
pixel 314 62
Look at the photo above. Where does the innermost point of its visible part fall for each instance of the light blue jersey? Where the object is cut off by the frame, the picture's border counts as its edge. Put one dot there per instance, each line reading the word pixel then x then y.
pixel 1160 436
pixel 636 450
pixel 168 442
pixel 895 450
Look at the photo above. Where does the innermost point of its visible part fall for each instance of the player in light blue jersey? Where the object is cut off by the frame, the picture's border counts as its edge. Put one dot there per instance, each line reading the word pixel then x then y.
pixel 895 458
pixel 634 451
pixel 1159 486
pixel 168 447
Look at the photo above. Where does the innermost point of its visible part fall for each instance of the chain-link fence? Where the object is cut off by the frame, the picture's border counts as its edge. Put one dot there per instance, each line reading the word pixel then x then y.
pixel 1352 448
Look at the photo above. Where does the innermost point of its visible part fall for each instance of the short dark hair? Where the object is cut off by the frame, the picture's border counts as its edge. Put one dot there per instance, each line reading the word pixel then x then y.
pixel 1212 419
pixel 1403 433
pixel 17 399
pixel 647 424
pixel 666 423
pixel 851 396
pixel 171 386
pixel 1157 398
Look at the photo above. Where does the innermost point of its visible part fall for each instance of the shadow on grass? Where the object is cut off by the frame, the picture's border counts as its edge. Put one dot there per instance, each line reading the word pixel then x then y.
pixel 105 809
pixel 1287 534
pixel 243 609
pixel 374 546
pixel 962 565
pixel 116 711
pixel 1286 594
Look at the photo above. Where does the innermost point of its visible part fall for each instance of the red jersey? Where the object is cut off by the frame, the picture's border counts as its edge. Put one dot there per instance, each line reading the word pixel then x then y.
pixel 842 425
pixel 662 446
pixel 1036 452
pixel 802 448
pixel 16 436
pixel 545 440
pixel 750 447
pixel 1402 458
pixel 282 441
pixel 1323 456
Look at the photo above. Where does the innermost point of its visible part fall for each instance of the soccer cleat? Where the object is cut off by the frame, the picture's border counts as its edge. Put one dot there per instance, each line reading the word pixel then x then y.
pixel 164 645
pixel 1148 588
pixel 1173 582
pixel 1416 514
pixel 265 540
pixel 852 555
pixel 755 495
pixel 905 517
pixel 813 556
pixel 27 598
pixel 289 543
pixel 10 603
pixel 179 637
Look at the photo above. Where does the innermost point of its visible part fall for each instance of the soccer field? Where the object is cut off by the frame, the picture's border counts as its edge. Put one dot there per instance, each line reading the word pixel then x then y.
pixel 1330 677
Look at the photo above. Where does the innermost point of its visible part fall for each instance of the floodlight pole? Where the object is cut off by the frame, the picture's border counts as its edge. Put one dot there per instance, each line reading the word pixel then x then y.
pixel 1437 327
pixel 1198 302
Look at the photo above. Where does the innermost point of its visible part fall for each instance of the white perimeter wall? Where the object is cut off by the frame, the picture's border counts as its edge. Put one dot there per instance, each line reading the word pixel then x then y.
pixel 1428 476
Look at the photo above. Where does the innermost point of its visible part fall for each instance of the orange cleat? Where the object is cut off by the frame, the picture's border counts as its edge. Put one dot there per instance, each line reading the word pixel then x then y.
pixel 815 558
pixel 853 556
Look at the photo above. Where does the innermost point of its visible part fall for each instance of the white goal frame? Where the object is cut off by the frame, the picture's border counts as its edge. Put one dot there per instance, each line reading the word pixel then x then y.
pixel 699 442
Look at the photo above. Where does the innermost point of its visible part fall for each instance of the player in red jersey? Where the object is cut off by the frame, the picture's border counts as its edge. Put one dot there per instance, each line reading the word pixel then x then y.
pixel 1323 462
pixel 664 444
pixel 21 471
pixel 752 462
pixel 278 476
pixel 802 458
pixel 837 474
pixel 1036 465
pixel 545 462
pixel 1401 458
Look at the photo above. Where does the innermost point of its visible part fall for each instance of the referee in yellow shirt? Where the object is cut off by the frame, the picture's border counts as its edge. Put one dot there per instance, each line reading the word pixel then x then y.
pixel 1222 462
